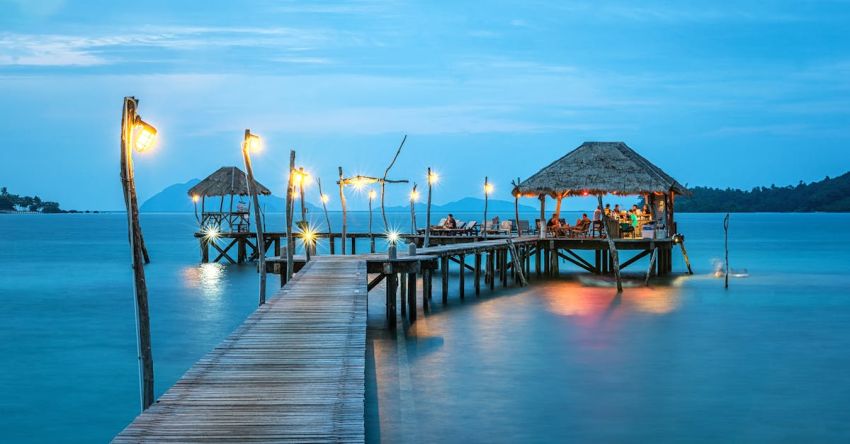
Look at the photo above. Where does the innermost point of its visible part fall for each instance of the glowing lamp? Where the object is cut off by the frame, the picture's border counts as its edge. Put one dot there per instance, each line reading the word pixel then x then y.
pixel 145 135
pixel 393 236
pixel 372 194
pixel 433 178
pixel 211 232
pixel 488 189
pixel 254 143
pixel 325 198
pixel 308 236
pixel 195 198
pixel 414 196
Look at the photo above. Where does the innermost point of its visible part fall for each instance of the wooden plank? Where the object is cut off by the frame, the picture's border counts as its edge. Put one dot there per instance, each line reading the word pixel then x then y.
pixel 294 371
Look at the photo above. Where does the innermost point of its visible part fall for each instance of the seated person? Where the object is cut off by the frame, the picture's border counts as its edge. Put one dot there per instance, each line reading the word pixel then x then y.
pixel 583 221
pixel 450 223
pixel 554 223
pixel 636 210
pixel 633 217
pixel 608 210
pixel 597 214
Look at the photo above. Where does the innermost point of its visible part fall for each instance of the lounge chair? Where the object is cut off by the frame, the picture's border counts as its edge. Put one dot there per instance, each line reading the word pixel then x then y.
pixel 524 227
pixel 506 227
pixel 579 230
pixel 471 228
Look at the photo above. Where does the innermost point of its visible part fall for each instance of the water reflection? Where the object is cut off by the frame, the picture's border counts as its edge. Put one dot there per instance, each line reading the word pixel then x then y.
pixel 209 278
pixel 574 299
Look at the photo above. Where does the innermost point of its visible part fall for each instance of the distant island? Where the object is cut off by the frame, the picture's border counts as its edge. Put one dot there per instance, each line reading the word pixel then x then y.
pixel 13 203
pixel 827 195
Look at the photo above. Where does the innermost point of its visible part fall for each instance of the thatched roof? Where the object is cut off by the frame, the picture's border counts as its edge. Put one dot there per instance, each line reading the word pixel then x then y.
pixel 224 182
pixel 598 168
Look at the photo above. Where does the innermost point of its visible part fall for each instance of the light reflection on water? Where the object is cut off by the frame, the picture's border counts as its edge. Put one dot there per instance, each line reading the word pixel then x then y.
pixel 208 278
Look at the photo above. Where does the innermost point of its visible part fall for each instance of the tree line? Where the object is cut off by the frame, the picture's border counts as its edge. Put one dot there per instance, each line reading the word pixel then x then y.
pixel 14 202
pixel 827 195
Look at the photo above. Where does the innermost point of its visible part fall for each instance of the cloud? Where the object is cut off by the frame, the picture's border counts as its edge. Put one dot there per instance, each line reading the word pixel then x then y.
pixel 74 50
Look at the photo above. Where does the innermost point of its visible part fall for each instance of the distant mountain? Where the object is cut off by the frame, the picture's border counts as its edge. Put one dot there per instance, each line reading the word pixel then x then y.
pixel 828 195
pixel 466 204
pixel 175 199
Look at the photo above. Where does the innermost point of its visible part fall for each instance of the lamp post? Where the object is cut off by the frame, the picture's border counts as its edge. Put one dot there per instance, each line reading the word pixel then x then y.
pixel 372 196
pixel 488 188
pixel 137 135
pixel 252 142
pixel 432 179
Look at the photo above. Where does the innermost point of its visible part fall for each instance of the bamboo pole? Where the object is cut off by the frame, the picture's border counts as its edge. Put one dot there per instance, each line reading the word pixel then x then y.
pixel 290 244
pixel 516 208
pixel 342 203
pixel 303 223
pixel 324 199
pixel 726 247
pixel 612 247
pixel 542 225
pixel 371 239
pixel 140 289
pixel 258 219
pixel 426 243
pixel 413 210
pixel 486 202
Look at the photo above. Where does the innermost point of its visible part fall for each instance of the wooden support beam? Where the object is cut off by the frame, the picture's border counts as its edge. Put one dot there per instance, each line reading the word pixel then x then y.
pixel 462 274
pixel 575 262
pixel 223 253
pixel 374 282
pixel 403 294
pixel 634 259
pixel 477 277
pixel 461 263
pixel 444 269
pixel 427 285
pixel 392 284
pixel 411 296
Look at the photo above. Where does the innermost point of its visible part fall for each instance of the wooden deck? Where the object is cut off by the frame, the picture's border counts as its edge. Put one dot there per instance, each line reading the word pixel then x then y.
pixel 294 371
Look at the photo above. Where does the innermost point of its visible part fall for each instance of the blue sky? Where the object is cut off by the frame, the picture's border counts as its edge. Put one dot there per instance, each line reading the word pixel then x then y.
pixel 738 94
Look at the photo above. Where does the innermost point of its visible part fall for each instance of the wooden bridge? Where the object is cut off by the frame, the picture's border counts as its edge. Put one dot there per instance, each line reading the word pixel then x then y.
pixel 292 372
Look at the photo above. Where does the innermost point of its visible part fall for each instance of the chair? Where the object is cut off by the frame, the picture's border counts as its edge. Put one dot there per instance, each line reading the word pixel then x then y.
pixel 579 230
pixel 470 228
pixel 626 228
pixel 596 229
pixel 506 227
pixel 523 226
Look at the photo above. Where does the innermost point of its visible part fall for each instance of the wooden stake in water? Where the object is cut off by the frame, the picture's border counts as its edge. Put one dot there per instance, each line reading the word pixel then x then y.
pixel 612 247
pixel 486 201
pixel 324 200
pixel 426 243
pixel 384 183
pixel 140 289
pixel 516 207
pixel 344 211
pixel 290 244
pixel 726 246
pixel 413 195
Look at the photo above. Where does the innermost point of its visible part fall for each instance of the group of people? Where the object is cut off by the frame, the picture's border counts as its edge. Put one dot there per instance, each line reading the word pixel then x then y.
pixel 632 217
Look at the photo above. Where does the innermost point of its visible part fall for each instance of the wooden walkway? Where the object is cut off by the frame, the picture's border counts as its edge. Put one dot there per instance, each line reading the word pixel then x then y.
pixel 294 371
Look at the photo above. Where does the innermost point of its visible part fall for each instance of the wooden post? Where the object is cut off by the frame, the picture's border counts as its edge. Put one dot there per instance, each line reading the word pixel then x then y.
pixel 444 269
pixel 542 227
pixel 477 276
pixel 403 294
pixel 324 200
pixel 652 259
pixel 462 275
pixel 486 199
pixel 612 248
pixel 427 285
pixel 427 241
pixel 258 218
pixel 140 289
pixel 303 223
pixel 558 206
pixel 726 249
pixel 411 296
pixel 413 210
pixel 342 203
pixel 290 243
pixel 491 268
pixel 371 237
pixel 516 207
pixel 392 284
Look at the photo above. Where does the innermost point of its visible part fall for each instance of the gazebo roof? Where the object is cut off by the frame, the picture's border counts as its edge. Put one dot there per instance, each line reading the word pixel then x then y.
pixel 224 182
pixel 598 168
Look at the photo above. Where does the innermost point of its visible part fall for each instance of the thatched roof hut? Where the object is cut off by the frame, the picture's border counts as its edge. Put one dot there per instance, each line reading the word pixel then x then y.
pixel 225 182
pixel 599 168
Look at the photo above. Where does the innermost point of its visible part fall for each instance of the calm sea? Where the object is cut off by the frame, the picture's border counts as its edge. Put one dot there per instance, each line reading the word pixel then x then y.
pixel 764 361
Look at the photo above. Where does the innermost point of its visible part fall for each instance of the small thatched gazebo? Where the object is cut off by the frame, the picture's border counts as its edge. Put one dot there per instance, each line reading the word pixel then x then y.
pixel 226 181
pixel 599 168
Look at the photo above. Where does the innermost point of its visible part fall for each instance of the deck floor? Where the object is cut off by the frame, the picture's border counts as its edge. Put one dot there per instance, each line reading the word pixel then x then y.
pixel 294 371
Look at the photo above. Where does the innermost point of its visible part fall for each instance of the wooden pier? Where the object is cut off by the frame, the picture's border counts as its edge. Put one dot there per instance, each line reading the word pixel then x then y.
pixel 294 371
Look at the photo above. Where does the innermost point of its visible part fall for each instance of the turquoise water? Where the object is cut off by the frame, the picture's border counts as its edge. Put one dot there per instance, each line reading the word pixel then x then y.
pixel 687 362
